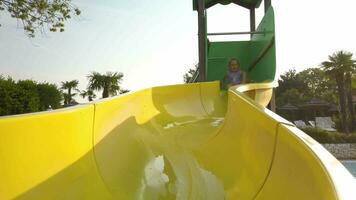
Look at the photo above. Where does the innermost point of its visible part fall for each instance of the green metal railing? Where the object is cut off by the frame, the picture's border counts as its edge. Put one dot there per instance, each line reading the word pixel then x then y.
pixel 239 33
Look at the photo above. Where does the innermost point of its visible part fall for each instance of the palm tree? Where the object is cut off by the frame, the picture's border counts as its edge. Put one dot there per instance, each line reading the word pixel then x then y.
pixel 68 99
pixel 88 93
pixel 108 83
pixel 69 86
pixel 348 80
pixel 337 66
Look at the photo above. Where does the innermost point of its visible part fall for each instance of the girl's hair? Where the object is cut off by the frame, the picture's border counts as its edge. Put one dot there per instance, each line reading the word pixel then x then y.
pixel 234 59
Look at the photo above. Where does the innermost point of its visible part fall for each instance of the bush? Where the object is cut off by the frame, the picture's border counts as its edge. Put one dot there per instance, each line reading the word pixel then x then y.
pixel 350 138
pixel 324 137
pixel 337 121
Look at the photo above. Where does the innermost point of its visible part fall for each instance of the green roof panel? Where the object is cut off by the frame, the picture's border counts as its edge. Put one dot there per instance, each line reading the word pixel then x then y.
pixel 243 3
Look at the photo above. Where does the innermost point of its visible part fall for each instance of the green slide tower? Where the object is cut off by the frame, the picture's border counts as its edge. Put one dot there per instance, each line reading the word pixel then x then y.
pixel 257 56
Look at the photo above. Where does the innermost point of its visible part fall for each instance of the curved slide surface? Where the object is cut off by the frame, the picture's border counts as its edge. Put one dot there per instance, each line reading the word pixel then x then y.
pixel 172 142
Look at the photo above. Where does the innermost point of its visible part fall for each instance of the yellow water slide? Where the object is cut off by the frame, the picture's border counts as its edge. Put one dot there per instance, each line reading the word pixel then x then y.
pixel 173 142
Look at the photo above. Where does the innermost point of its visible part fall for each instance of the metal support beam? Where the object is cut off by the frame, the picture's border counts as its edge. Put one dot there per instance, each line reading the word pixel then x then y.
pixel 239 33
pixel 273 100
pixel 252 20
pixel 202 39
pixel 261 54
pixel 268 4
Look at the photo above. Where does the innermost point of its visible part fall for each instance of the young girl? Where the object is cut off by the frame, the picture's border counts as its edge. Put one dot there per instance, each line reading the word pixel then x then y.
pixel 234 76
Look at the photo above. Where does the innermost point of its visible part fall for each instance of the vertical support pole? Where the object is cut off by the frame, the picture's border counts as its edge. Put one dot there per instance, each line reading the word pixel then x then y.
pixel 273 100
pixel 252 20
pixel 202 40
pixel 268 4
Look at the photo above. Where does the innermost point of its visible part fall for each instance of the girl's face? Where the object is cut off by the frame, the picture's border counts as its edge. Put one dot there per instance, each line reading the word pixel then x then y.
pixel 234 66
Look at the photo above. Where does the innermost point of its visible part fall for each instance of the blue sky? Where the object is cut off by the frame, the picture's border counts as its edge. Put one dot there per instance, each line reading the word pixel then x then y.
pixel 155 42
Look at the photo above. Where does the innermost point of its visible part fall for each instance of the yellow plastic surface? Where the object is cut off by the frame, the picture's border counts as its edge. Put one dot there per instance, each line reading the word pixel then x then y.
pixel 173 142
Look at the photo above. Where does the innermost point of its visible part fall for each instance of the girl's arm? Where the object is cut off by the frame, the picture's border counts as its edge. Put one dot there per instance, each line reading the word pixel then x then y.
pixel 222 82
pixel 244 77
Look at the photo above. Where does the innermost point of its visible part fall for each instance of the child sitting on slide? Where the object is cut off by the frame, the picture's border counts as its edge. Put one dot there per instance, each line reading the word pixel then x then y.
pixel 234 76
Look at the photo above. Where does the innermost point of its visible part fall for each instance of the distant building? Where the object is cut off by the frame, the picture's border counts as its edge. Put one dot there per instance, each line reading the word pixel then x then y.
pixel 308 111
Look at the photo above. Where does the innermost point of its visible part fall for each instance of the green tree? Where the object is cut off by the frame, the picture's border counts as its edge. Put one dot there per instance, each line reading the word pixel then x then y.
pixel 40 14
pixel 88 93
pixel 187 77
pixel 69 86
pixel 19 97
pixel 318 84
pixel 109 83
pixel 348 86
pixel 8 93
pixel 28 96
pixel 291 96
pixel 49 95
pixel 290 80
pixel 25 96
pixel 337 65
